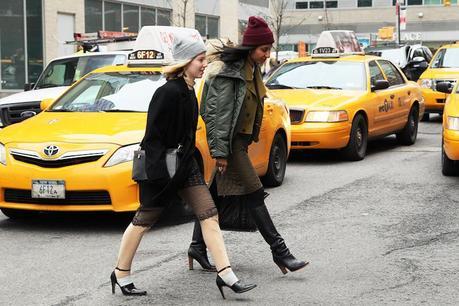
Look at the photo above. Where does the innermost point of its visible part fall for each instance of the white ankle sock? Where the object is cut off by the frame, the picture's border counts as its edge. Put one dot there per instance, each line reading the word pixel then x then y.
pixel 229 278
pixel 124 281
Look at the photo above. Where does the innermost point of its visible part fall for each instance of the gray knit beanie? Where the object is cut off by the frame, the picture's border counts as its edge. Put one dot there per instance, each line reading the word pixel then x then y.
pixel 187 44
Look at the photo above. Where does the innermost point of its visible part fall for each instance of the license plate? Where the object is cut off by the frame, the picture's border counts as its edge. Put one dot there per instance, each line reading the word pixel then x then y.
pixel 42 189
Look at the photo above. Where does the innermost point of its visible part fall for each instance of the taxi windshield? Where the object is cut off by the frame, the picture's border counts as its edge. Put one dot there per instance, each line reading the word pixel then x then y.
pixel 319 75
pixel 111 92
pixel 66 71
pixel 446 58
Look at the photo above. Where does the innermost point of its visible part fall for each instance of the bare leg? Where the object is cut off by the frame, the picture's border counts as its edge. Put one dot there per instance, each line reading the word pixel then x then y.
pixel 129 244
pixel 214 240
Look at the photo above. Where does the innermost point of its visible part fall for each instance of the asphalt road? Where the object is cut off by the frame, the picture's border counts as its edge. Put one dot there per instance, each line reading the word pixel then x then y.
pixel 384 230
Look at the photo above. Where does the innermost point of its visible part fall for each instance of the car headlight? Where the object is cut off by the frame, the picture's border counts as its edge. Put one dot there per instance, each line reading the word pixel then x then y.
pixel 122 155
pixel 426 83
pixel 2 154
pixel 1 123
pixel 452 123
pixel 327 116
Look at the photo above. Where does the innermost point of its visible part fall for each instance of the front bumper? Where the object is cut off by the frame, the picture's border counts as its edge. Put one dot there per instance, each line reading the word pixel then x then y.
pixel 434 100
pixel 451 144
pixel 320 135
pixel 84 184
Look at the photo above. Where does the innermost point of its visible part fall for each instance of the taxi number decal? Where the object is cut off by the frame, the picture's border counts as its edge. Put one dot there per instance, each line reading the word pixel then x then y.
pixel 146 55
pixel 324 50
pixel 387 106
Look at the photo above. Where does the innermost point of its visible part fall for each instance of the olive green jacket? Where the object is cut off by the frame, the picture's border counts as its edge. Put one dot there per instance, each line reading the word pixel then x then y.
pixel 222 99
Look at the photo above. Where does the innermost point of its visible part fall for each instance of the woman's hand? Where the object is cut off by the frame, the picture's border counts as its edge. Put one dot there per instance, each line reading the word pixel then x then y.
pixel 222 164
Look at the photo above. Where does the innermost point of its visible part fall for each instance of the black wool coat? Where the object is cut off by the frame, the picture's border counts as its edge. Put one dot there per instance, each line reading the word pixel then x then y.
pixel 172 120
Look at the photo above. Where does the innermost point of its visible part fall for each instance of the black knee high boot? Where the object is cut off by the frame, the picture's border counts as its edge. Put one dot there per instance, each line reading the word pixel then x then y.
pixel 281 254
pixel 198 250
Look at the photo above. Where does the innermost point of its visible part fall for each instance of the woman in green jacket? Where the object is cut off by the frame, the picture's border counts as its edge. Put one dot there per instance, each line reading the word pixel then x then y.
pixel 232 109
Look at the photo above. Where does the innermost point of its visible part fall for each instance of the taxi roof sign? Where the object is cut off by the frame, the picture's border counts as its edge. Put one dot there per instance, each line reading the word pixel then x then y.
pixel 154 45
pixel 337 43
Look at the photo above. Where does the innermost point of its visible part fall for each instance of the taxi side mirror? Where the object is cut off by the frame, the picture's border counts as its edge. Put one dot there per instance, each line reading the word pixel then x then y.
pixel 379 85
pixel 445 87
pixel 45 103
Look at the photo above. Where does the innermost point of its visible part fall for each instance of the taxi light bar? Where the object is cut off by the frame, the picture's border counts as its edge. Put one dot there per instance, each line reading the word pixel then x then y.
pixel 336 44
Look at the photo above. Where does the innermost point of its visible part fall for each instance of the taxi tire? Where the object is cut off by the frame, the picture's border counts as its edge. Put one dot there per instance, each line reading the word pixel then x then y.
pixel 353 151
pixel 409 134
pixel 17 213
pixel 277 163
pixel 448 166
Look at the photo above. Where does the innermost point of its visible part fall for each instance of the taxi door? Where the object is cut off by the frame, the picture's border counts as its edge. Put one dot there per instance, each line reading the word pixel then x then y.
pixel 381 103
pixel 401 93
pixel 259 151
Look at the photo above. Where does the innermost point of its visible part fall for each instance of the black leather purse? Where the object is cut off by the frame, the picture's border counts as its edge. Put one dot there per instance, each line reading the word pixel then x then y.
pixel 233 211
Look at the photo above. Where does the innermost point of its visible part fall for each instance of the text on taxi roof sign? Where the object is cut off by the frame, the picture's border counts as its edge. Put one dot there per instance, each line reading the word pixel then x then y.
pixel 337 43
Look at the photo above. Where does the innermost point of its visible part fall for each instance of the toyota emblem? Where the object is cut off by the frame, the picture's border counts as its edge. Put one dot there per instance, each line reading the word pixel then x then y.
pixel 51 150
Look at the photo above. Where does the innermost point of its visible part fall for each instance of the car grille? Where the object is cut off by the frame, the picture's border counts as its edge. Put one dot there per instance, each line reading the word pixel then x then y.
pixel 71 198
pixel 441 100
pixel 56 163
pixel 11 113
pixel 296 116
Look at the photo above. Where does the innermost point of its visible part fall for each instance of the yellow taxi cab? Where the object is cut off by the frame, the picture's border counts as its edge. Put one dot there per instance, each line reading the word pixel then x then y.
pixel 450 137
pixel 77 154
pixel 444 67
pixel 339 98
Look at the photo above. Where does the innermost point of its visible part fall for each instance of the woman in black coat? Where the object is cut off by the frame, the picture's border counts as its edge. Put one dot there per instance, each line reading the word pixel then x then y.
pixel 171 123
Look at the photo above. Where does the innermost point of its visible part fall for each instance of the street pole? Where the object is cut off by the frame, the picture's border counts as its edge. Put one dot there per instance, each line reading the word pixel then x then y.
pixel 397 12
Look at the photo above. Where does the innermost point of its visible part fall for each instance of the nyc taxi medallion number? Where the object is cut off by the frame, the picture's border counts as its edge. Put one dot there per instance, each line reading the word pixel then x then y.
pixel 45 189
pixel 146 55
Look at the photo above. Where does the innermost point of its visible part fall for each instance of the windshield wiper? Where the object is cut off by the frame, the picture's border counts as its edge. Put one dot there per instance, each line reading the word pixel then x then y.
pixel 48 86
pixel 120 111
pixel 323 87
pixel 61 111
pixel 279 86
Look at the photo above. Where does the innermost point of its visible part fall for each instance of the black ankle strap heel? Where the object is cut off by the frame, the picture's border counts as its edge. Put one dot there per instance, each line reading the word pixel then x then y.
pixel 237 287
pixel 128 289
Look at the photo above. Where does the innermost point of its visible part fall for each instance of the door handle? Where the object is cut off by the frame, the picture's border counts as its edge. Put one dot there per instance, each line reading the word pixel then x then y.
pixel 409 93
pixel 392 96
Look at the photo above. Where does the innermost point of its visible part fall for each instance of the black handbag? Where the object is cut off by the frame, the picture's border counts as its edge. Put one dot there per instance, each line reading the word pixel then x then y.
pixel 233 211
pixel 139 171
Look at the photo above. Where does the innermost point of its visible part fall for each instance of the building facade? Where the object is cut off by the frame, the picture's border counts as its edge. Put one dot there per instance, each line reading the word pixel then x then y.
pixel 428 21
pixel 33 32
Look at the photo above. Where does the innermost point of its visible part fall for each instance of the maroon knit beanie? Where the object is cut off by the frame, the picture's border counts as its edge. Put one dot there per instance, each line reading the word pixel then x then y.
pixel 257 33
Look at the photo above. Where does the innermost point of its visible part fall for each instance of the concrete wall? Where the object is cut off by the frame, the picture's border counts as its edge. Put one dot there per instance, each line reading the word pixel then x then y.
pixel 50 10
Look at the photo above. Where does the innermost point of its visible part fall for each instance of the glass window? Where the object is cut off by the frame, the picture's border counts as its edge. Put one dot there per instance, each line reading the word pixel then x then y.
pixel 433 2
pixel 34 40
pixel 12 61
pixel 375 73
pixel 93 15
pixel 213 27
pixel 320 75
pixel 130 18
pixel 414 2
pixel 364 3
pixel 316 4
pixel 112 13
pixel 301 5
pixel 148 16
pixel 66 71
pixel 446 58
pixel 113 91
pixel 200 25
pixel 393 75
pixel 332 4
pixel 164 17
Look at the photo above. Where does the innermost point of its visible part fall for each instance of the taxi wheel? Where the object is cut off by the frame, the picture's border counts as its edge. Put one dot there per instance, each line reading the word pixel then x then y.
pixel 409 133
pixel 425 117
pixel 356 149
pixel 277 163
pixel 448 166
pixel 16 213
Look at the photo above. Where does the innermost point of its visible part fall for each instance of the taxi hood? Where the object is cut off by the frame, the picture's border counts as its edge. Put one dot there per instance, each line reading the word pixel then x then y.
pixel 114 128
pixel 317 99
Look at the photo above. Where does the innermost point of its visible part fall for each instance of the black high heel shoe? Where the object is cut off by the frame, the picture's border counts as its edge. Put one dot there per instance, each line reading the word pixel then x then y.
pixel 199 254
pixel 128 289
pixel 237 287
